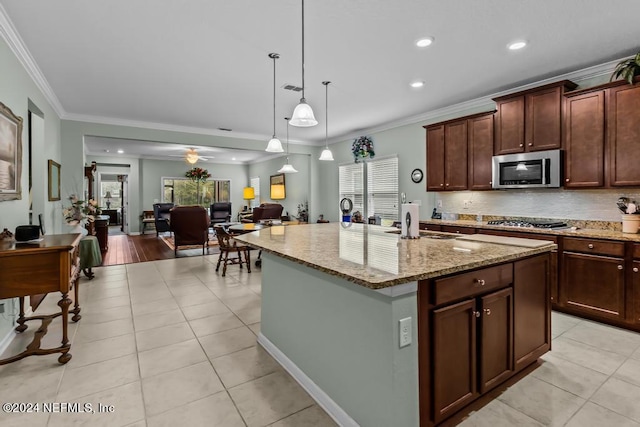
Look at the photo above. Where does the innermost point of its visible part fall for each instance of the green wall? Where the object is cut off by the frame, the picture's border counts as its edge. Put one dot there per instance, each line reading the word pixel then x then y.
pixel 18 91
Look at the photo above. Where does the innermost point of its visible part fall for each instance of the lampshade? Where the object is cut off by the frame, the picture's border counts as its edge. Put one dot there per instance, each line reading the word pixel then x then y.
pixel 108 195
pixel 303 114
pixel 277 191
pixel 248 193
pixel 274 146
pixel 326 154
pixel 287 168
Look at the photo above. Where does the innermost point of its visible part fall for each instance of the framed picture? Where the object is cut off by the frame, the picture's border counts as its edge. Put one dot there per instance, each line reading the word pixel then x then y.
pixel 278 190
pixel 54 181
pixel 10 154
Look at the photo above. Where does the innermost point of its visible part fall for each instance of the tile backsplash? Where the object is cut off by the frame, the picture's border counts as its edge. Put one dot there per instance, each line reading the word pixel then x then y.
pixel 540 203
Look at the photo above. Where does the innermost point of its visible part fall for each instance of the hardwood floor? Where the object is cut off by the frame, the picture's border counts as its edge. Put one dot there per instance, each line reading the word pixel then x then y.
pixel 125 249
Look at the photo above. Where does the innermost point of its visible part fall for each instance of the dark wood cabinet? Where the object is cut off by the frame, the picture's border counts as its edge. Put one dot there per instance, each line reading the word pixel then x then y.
pixel 532 308
pixel 480 131
pixel 623 125
pixel 593 278
pixel 457 230
pixel 530 120
pixel 635 286
pixel 584 140
pixel 447 156
pixel 496 338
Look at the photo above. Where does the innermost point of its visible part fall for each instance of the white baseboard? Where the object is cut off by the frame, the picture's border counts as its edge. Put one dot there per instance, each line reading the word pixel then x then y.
pixel 7 339
pixel 336 412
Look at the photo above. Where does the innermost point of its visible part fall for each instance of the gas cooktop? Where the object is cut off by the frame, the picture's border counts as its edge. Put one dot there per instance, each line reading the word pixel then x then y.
pixel 529 224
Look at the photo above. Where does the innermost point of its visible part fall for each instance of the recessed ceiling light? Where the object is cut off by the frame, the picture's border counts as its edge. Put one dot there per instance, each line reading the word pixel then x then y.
pixel 120 151
pixel 519 44
pixel 233 158
pixel 107 151
pixel 424 42
pixel 417 84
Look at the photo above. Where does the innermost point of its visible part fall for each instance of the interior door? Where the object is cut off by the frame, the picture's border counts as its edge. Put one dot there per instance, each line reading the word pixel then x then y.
pixel 124 190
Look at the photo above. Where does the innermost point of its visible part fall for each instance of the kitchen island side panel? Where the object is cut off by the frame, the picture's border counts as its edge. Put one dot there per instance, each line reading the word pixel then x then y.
pixel 345 338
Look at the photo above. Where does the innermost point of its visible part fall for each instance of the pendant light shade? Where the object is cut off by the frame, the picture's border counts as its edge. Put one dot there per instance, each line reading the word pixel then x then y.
pixel 326 154
pixel 274 145
pixel 303 114
pixel 287 168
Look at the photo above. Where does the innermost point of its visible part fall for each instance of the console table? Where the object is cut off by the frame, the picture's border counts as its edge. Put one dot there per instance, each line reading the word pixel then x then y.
pixel 50 265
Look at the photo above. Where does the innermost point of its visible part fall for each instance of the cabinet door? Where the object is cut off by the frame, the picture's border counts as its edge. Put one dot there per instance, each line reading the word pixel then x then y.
pixel 584 140
pixel 453 350
pixel 532 311
pixel 435 158
pixel 496 343
pixel 636 292
pixel 624 135
pixel 509 126
pixel 593 284
pixel 455 156
pixel 544 119
pixel 480 152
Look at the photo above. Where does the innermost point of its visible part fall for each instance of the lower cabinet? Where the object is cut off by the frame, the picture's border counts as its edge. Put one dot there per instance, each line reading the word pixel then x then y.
pixel 495 323
pixel 636 292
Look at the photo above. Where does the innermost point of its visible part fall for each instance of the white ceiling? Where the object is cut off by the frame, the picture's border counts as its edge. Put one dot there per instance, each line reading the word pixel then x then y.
pixel 203 64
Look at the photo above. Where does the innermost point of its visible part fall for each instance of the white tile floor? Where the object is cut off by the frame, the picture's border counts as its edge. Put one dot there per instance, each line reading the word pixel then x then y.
pixel 172 342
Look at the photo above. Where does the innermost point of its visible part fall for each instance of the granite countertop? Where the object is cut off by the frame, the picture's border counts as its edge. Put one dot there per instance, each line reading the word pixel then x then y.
pixel 595 233
pixel 375 257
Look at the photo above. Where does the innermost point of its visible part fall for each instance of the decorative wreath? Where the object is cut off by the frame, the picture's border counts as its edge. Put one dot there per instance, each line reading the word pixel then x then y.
pixel 362 148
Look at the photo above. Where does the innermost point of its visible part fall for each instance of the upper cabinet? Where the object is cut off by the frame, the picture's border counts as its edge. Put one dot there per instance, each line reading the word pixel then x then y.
pixel 480 151
pixel 623 125
pixel 530 120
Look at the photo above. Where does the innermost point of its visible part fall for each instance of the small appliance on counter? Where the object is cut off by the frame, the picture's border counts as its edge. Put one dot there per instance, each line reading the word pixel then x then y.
pixel 410 218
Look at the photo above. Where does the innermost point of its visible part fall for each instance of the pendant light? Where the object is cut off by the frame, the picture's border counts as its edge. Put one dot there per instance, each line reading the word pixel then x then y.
pixel 274 146
pixel 303 114
pixel 287 168
pixel 326 154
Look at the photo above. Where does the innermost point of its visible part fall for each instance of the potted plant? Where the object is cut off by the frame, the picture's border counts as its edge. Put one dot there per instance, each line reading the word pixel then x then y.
pixel 362 148
pixel 627 69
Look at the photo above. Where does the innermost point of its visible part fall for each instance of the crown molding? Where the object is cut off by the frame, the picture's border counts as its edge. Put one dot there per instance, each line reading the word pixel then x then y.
pixel 17 46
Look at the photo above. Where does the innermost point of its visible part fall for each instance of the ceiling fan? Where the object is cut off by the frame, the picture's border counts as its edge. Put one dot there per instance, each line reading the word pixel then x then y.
pixel 191 156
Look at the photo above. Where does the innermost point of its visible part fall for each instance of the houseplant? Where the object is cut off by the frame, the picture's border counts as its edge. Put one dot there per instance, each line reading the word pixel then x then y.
pixel 627 69
pixel 362 148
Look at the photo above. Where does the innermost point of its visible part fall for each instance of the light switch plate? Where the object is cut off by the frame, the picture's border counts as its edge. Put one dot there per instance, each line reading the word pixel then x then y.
pixel 405 331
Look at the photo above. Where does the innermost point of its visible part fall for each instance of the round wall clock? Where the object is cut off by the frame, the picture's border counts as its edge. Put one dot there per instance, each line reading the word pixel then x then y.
pixel 416 175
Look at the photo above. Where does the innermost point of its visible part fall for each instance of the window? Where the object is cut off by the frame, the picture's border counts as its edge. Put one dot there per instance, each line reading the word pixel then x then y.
pixel 255 183
pixel 351 183
pixel 380 187
pixel 113 187
pixel 182 191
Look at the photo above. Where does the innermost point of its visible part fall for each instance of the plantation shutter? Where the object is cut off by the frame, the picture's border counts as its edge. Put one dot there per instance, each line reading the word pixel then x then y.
pixel 382 188
pixel 255 183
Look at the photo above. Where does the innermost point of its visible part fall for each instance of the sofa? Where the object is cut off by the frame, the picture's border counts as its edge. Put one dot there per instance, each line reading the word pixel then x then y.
pixel 266 211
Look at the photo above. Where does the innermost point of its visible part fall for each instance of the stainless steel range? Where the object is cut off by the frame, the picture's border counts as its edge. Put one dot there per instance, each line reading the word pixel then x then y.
pixel 529 224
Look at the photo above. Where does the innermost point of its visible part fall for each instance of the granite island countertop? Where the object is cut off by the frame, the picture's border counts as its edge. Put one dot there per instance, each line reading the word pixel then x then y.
pixel 375 257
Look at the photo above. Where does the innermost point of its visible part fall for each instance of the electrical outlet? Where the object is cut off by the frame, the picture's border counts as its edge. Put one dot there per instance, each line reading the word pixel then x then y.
pixel 439 204
pixel 466 204
pixel 405 331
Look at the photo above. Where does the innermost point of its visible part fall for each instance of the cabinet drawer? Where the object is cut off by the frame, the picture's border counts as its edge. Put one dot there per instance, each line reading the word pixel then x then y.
pixel 636 251
pixel 430 227
pixel 472 283
pixel 590 246
pixel 459 230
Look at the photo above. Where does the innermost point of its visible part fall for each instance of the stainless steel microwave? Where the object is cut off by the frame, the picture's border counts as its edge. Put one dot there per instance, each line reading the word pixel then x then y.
pixel 537 169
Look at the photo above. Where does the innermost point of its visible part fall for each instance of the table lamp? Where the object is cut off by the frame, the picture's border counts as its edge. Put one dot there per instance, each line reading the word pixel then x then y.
pixel 108 197
pixel 248 193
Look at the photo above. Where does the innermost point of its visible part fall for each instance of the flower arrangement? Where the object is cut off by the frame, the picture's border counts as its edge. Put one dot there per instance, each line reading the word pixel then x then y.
pixel 198 174
pixel 79 212
pixel 303 212
pixel 362 147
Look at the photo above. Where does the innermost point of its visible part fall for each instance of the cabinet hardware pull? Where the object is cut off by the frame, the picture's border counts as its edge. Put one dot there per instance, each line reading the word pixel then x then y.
pixel 590 246
pixel 566 180
pixel 441 185
pixel 480 282
pixel 487 311
pixel 490 182
pixel 521 145
pixel 476 313
pixel 530 144
pixel 619 267
pixel 447 184
pixel 635 269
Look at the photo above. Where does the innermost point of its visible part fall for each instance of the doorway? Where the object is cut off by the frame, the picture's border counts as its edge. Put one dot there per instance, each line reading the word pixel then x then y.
pixel 113 201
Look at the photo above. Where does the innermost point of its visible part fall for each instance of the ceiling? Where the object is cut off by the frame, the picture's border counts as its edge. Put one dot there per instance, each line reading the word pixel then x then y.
pixel 203 64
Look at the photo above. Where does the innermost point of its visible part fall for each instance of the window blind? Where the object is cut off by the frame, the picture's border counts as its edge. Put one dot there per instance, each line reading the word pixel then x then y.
pixel 255 183
pixel 351 185
pixel 382 188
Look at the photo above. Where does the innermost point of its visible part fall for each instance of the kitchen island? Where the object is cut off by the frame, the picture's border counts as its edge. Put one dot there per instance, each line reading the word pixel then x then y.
pixel 386 331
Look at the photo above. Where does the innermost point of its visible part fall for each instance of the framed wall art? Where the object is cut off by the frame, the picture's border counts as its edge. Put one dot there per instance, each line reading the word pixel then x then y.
pixel 54 181
pixel 10 154
pixel 278 190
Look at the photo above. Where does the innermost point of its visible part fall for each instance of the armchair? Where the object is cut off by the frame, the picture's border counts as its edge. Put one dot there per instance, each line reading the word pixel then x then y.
pixel 190 226
pixel 161 216
pixel 220 212
pixel 267 211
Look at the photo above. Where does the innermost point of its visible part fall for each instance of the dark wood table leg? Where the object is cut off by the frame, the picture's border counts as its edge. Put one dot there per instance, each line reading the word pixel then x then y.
pixel 89 273
pixel 64 304
pixel 21 319
pixel 76 297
